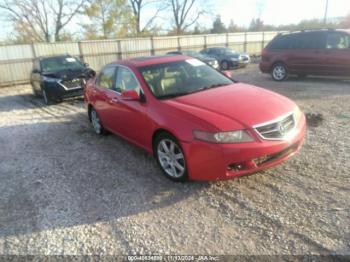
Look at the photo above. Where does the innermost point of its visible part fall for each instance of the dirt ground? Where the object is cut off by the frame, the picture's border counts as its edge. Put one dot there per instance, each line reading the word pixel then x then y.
pixel 64 190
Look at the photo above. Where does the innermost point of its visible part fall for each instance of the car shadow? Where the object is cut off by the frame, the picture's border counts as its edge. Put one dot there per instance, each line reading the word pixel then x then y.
pixel 60 174
pixel 29 101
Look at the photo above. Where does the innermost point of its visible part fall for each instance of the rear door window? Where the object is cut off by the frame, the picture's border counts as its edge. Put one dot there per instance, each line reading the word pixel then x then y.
pixel 336 40
pixel 314 40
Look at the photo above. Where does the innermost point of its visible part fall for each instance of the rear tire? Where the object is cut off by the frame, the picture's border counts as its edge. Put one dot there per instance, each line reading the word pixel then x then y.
pixel 96 122
pixel 170 157
pixel 279 72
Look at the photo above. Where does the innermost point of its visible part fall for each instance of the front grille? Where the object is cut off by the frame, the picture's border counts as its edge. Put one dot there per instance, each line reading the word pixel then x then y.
pixel 276 130
pixel 73 83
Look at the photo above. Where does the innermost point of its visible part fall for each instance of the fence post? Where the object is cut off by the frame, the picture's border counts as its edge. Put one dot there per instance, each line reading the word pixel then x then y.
pixel 227 44
pixel 33 50
pixel 81 55
pixel 205 42
pixel 178 44
pixel 263 41
pixel 120 53
pixel 245 42
pixel 152 46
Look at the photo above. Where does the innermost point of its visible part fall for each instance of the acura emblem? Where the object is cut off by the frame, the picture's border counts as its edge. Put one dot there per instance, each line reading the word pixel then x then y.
pixel 282 129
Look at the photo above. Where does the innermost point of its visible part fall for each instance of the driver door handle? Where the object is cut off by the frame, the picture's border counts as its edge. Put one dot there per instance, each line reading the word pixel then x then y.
pixel 114 101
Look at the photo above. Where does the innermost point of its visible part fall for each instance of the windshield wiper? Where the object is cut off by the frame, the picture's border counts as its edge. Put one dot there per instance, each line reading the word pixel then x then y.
pixel 209 87
pixel 167 96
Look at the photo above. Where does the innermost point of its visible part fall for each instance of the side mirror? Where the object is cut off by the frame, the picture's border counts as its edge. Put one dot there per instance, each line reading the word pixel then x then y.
pixel 130 95
pixel 86 64
pixel 227 73
pixel 35 71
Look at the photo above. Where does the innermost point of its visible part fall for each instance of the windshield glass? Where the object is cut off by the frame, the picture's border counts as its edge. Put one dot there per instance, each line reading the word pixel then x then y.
pixel 230 51
pixel 61 63
pixel 181 78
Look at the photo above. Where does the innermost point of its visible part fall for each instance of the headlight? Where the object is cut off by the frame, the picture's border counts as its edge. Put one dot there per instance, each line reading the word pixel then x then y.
pixel 50 79
pixel 297 114
pixel 229 137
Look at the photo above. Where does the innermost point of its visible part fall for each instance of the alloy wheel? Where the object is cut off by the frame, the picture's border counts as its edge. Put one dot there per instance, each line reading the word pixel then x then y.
pixel 171 158
pixel 46 100
pixel 224 65
pixel 279 72
pixel 96 123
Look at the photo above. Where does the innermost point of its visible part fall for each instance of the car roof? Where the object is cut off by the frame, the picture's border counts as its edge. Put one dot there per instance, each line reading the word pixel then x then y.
pixel 52 56
pixel 151 60
pixel 313 31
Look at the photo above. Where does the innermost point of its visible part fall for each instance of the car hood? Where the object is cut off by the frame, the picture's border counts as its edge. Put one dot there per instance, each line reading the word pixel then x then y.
pixel 234 106
pixel 69 74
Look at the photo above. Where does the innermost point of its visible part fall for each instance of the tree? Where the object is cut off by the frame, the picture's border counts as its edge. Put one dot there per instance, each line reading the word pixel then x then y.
pixel 232 27
pixel 345 23
pixel 218 26
pixel 108 19
pixel 185 13
pixel 256 25
pixel 138 6
pixel 41 20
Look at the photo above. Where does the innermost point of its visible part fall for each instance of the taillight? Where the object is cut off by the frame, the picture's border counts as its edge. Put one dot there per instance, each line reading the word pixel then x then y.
pixel 265 55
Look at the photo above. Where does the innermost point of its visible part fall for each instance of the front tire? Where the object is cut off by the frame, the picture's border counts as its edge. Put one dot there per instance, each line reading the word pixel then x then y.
pixel 46 98
pixel 170 157
pixel 279 72
pixel 225 65
pixel 96 122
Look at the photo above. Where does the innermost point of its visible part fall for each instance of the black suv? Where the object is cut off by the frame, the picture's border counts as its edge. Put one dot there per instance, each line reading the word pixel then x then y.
pixel 58 77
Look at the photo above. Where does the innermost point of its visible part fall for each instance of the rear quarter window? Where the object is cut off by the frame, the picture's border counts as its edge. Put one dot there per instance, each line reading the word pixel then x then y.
pixel 282 42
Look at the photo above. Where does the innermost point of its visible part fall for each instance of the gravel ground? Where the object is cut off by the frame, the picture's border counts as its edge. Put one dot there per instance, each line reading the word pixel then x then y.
pixel 65 190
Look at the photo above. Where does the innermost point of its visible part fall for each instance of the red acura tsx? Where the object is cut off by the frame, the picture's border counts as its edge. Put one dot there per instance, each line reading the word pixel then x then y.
pixel 198 123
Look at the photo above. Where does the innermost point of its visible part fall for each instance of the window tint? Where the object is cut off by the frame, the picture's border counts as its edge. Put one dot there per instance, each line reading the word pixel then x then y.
pixel 282 42
pixel 106 78
pixel 336 40
pixel 309 41
pixel 126 80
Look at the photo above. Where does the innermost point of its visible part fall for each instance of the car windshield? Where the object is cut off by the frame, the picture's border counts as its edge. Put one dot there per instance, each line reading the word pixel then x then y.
pixel 182 78
pixel 61 63
pixel 193 54
pixel 230 51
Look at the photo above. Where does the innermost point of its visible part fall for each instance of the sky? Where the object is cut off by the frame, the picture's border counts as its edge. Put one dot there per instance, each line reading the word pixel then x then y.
pixel 273 12
pixel 278 12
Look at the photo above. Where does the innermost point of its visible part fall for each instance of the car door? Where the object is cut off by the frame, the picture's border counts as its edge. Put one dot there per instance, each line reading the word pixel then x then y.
pixel 305 56
pixel 102 96
pixel 130 117
pixel 35 77
pixel 337 53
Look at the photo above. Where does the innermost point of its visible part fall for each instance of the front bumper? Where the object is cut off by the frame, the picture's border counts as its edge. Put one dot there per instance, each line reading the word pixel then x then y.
pixel 56 92
pixel 206 161
pixel 265 67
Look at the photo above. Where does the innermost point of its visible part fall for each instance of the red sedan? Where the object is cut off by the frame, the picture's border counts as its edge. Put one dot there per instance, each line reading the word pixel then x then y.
pixel 198 123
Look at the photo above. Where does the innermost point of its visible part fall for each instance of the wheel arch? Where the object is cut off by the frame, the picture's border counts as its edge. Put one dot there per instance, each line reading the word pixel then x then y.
pixel 277 62
pixel 157 132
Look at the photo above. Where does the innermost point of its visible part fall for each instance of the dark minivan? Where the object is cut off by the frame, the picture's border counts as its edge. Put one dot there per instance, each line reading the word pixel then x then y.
pixel 314 52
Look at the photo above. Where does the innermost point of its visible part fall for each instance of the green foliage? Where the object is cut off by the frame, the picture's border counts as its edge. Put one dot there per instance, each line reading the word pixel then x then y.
pixel 218 26
pixel 108 19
